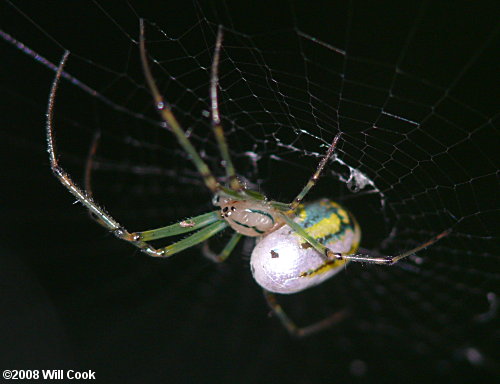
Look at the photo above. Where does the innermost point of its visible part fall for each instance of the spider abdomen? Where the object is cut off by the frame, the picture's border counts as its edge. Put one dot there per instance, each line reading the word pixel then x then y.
pixel 282 262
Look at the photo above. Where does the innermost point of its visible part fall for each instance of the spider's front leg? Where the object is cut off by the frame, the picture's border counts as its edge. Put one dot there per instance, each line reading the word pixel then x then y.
pixel 99 213
pixel 208 224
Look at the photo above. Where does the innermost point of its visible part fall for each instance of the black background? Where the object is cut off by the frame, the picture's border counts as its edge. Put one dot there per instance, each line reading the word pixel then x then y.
pixel 74 297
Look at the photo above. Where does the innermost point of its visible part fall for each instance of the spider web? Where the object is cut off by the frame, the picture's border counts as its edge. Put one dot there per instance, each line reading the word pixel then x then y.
pixel 411 89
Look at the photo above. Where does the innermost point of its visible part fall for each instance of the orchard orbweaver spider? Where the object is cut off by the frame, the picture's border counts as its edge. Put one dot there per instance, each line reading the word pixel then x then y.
pixel 299 245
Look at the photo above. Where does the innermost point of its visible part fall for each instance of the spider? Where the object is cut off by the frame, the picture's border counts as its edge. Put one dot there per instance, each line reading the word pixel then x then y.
pixel 298 245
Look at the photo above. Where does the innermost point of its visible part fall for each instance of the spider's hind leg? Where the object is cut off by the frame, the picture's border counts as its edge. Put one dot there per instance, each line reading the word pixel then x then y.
pixel 290 325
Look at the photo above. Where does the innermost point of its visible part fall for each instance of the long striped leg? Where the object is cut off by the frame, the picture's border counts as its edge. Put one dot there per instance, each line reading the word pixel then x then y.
pixel 360 257
pixel 314 178
pixel 226 251
pixel 210 223
pixel 216 122
pixel 290 325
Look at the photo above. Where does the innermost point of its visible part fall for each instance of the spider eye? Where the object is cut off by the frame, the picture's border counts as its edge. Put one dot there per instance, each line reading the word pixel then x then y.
pixel 225 209
pixel 216 200
pixel 233 209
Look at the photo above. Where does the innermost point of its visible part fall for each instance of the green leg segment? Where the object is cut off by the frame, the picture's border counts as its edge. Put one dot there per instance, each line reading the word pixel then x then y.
pixel 195 238
pixel 224 254
pixel 188 225
pixel 302 232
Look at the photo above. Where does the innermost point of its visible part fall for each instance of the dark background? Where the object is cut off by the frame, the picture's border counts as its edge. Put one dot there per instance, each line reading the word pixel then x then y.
pixel 73 297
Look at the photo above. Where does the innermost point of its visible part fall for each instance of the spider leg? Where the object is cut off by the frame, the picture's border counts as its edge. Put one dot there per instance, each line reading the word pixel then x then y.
pixel 101 215
pixel 360 257
pixel 89 164
pixel 226 251
pixel 165 112
pixel 196 238
pixel 211 221
pixel 233 181
pixel 387 260
pixel 184 226
pixel 290 325
pixel 88 172
pixel 314 178
pixel 307 237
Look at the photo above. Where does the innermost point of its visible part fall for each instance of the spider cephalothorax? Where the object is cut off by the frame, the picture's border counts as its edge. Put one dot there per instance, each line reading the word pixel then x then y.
pixel 250 217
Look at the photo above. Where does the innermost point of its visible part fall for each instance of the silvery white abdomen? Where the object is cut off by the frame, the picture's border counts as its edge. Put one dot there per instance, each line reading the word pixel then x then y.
pixel 282 261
